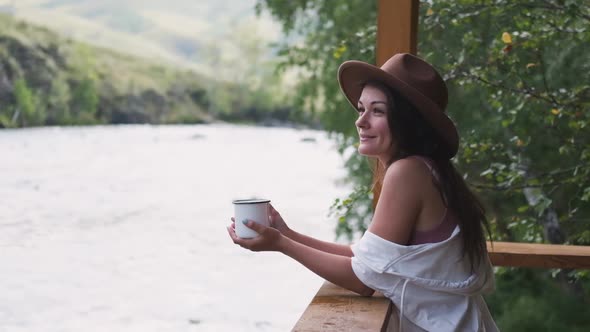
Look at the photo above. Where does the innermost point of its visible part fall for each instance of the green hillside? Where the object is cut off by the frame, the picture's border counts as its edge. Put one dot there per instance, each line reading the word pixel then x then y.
pixel 46 79
pixel 181 32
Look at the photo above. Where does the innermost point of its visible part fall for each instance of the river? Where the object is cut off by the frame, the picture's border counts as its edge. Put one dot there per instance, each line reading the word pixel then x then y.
pixel 122 228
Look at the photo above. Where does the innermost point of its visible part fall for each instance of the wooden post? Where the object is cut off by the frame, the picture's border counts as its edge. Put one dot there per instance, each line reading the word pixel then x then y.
pixel 397 28
pixel 397 32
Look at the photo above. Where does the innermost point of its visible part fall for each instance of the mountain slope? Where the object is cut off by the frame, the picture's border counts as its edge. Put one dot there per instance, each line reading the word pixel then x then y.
pixel 181 32
pixel 47 79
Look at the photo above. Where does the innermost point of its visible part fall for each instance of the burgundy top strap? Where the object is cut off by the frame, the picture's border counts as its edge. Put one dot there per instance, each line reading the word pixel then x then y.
pixel 448 222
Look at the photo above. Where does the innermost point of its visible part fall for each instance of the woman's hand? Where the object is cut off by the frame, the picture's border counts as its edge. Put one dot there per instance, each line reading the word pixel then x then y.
pixel 277 222
pixel 268 239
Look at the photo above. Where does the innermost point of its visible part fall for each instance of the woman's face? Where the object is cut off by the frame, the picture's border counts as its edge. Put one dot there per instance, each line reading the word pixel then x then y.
pixel 373 128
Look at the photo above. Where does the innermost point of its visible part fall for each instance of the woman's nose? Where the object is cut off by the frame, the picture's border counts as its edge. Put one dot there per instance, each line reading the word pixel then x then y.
pixel 361 122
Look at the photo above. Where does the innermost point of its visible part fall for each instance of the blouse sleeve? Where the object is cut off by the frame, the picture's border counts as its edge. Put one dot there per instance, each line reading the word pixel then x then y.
pixel 372 262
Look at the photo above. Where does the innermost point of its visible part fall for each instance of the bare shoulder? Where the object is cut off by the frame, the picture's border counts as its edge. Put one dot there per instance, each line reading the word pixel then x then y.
pixel 407 171
pixel 401 200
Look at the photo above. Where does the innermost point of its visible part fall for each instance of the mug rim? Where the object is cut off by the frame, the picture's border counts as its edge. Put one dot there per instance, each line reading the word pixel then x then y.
pixel 250 201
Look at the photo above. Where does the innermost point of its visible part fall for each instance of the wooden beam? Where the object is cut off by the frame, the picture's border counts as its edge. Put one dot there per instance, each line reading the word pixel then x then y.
pixel 397 28
pixel 337 309
pixel 397 32
pixel 546 256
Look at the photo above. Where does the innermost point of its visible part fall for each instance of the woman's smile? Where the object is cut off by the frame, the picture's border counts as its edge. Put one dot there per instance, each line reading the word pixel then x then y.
pixel 365 137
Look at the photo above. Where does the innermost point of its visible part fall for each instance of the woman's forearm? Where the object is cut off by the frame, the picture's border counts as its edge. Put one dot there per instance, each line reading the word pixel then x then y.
pixel 329 247
pixel 332 267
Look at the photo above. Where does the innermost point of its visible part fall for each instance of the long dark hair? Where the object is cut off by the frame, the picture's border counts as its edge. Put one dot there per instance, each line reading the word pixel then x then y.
pixel 413 135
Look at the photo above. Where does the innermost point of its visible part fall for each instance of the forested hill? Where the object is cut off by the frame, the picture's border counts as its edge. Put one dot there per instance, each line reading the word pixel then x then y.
pixel 46 79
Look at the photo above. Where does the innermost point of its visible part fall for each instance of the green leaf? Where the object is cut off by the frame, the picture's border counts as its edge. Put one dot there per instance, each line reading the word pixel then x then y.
pixel 523 208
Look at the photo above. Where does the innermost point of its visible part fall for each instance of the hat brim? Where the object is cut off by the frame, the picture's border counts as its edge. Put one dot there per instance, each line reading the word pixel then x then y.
pixel 353 75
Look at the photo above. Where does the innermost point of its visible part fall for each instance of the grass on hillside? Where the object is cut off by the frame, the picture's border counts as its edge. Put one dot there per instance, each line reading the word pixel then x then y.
pixel 125 73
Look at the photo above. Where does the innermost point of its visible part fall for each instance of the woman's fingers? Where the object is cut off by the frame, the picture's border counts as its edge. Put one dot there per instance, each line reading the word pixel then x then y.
pixel 244 243
pixel 232 234
pixel 273 212
pixel 267 238
pixel 235 238
pixel 265 241
pixel 258 228
pixel 272 216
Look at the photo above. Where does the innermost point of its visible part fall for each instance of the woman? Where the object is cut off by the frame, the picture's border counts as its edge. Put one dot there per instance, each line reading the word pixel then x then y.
pixel 425 246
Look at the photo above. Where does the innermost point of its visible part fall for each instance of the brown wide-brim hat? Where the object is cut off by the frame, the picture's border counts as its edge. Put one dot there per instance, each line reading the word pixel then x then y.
pixel 413 78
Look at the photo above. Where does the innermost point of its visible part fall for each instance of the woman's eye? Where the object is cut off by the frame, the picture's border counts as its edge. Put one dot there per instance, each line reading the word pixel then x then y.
pixel 378 111
pixel 360 110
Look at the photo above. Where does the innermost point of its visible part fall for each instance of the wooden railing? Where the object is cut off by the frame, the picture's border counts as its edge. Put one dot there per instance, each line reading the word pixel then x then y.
pixel 336 309
pixel 548 256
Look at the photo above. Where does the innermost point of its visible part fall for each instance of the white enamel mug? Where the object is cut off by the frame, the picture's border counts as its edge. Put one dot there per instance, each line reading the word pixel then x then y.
pixel 252 209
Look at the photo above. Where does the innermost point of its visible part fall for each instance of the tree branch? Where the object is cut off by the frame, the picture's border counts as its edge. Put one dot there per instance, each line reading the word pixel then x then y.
pixel 514 7
pixel 542 63
pixel 526 91
pixel 565 170
pixel 520 186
